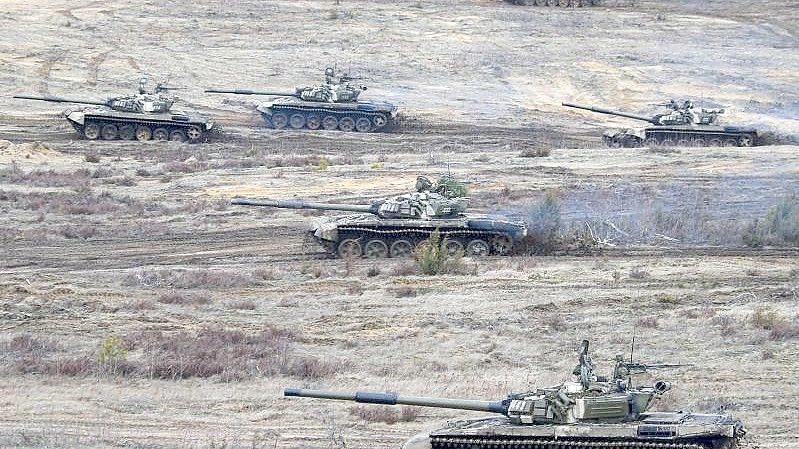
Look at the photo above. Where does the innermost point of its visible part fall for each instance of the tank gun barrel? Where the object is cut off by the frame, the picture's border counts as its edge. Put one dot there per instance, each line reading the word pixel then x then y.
pixel 395 399
pixel 611 112
pixel 54 99
pixel 252 92
pixel 297 204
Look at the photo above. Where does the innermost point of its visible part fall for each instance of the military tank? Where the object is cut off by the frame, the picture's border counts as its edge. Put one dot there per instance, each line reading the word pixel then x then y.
pixel 142 116
pixel 396 226
pixel 333 105
pixel 588 412
pixel 682 126
pixel 562 3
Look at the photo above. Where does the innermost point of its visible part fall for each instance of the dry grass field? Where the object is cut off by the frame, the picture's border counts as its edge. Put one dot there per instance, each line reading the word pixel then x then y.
pixel 140 310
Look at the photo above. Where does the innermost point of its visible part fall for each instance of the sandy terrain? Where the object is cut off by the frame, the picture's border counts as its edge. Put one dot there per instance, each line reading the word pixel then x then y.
pixel 116 239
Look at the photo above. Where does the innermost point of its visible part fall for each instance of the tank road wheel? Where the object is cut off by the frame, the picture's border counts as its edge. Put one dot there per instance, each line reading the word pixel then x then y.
pixel 379 121
pixel 668 143
pixel 297 121
pixel 91 131
pixel 349 249
pixel 745 141
pixel 109 132
pixel 177 135
pixel 477 248
pixel 730 143
pixel 127 132
pixel 279 120
pixel 363 125
pixel 330 122
pixel 313 121
pixel 454 246
pixel 194 133
pixel 401 248
pixel 161 134
pixel 698 143
pixel 143 133
pixel 376 249
pixel 501 245
pixel 714 142
pixel 346 124
pixel 683 143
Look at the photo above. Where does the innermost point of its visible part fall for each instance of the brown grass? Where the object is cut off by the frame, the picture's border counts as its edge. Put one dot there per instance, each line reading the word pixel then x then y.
pixel 184 298
pixel 384 414
pixel 210 352
pixel 187 279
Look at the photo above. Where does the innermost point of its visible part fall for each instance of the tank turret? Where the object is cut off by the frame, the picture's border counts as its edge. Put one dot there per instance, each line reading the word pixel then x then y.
pixel 330 105
pixel 590 411
pixel 681 126
pixel 394 227
pixel 144 115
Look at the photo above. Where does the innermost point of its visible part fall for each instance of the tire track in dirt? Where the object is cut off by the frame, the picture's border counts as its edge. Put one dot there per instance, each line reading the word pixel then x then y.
pixel 255 247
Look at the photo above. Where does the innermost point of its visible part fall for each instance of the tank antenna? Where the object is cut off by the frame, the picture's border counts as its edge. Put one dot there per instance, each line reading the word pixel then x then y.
pixel 632 346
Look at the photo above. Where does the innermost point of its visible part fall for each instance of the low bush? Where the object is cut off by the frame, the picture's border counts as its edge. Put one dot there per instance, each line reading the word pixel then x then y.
pixel 187 279
pixel 778 227
pixel 434 258
pixel 536 152
pixel 765 318
pixel 226 354
pixel 184 298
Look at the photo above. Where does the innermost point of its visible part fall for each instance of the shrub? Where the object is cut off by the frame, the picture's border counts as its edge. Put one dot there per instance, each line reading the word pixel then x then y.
pixel 112 355
pixel 405 291
pixel 185 279
pixel 778 227
pixel 434 258
pixel 244 304
pixel 226 353
pixel 182 298
pixel 650 322
pixel 764 318
pixel 536 152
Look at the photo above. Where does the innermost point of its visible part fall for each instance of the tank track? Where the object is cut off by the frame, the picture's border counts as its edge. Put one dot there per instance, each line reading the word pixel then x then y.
pixel 665 138
pixel 376 120
pixel 700 138
pixel 467 240
pixel 173 129
pixel 560 443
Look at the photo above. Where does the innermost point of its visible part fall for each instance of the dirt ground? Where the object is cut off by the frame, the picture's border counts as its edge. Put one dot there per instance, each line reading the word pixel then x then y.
pixel 115 239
